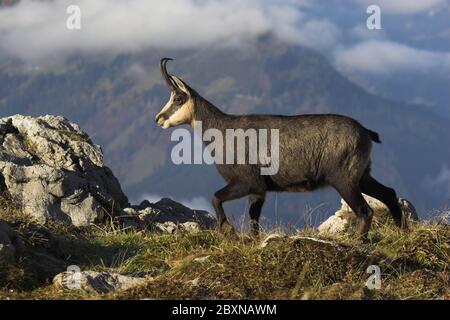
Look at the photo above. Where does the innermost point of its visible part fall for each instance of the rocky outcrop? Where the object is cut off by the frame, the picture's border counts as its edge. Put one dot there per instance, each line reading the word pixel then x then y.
pixel 344 218
pixel 166 216
pixel 52 168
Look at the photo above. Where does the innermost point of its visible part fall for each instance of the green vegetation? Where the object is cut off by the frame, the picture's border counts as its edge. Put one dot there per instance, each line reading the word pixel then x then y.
pixel 73 136
pixel 206 265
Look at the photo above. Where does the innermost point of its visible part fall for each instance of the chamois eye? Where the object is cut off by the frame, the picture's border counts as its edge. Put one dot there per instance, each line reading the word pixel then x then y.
pixel 178 99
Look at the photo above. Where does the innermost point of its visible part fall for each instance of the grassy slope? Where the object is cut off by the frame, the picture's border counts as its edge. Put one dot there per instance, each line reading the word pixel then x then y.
pixel 414 265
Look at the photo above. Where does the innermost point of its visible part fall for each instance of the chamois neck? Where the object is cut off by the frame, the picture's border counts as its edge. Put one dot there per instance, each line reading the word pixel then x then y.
pixel 207 113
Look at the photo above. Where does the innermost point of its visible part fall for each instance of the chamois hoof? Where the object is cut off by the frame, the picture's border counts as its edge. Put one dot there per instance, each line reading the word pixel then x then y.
pixel 227 229
pixel 364 227
pixel 364 238
pixel 255 234
pixel 404 225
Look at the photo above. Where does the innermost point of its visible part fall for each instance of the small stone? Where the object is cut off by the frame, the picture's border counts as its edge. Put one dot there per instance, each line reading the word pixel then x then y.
pixel 190 227
pixel 408 209
pixel 99 282
pixel 194 282
pixel 344 218
pixel 167 227
pixel 201 259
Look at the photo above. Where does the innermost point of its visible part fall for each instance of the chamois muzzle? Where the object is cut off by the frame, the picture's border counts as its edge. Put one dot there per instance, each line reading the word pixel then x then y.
pixel 159 119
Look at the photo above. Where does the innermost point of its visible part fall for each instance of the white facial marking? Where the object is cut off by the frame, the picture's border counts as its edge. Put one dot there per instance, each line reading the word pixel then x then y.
pixel 166 124
pixel 168 104
pixel 182 115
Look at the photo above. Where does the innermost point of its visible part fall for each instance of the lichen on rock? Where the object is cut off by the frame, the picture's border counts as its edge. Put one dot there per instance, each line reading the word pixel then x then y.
pixel 52 168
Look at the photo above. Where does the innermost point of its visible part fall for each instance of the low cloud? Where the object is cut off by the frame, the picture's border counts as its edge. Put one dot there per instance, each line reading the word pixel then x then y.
pixel 384 57
pixel 36 30
pixel 36 33
pixel 136 71
pixel 319 34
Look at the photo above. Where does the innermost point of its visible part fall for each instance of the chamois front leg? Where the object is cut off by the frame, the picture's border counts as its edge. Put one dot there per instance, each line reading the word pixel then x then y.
pixel 230 192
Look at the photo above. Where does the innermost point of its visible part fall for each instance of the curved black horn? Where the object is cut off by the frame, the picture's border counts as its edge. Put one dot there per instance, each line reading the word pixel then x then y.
pixel 164 72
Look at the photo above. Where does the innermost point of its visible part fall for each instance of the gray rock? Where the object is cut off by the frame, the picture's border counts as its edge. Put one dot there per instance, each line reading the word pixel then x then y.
pixel 191 227
pixel 52 168
pixel 344 218
pixel 337 223
pixel 166 216
pixel 172 227
pixel 408 209
pixel 168 210
pixel 297 240
pixel 166 227
pixel 99 282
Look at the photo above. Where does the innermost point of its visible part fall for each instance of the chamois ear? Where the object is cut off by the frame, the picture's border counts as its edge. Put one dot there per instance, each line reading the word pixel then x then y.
pixel 180 84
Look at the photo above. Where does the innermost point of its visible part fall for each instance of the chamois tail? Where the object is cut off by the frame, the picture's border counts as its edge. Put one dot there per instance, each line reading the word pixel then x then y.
pixel 374 136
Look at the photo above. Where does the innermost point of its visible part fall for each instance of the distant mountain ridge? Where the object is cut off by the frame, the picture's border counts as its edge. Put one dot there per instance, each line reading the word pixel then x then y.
pixel 115 99
pixel 7 3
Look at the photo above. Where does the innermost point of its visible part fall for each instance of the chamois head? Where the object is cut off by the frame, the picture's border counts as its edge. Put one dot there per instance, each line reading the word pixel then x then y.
pixel 180 107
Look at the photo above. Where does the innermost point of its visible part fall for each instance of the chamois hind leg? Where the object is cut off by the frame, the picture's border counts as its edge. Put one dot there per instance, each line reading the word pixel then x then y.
pixel 229 192
pixel 387 195
pixel 353 197
pixel 256 203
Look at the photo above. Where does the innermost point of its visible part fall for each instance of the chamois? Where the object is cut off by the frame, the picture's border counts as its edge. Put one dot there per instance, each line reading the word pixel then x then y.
pixel 315 151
